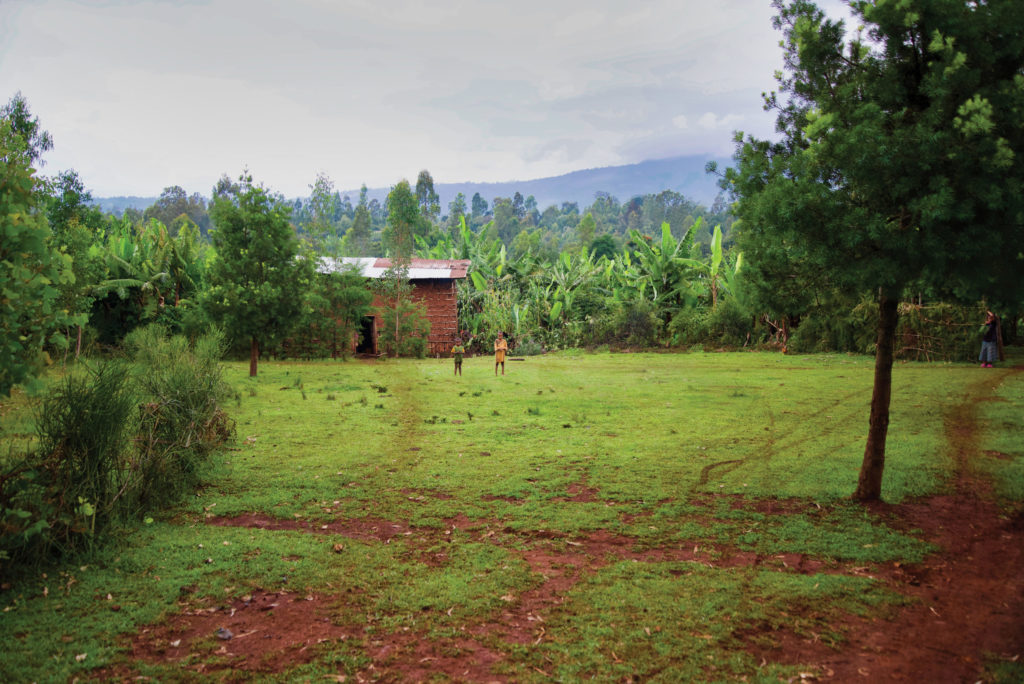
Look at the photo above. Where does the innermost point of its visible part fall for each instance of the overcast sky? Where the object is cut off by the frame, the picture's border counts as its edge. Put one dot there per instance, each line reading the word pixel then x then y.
pixel 139 95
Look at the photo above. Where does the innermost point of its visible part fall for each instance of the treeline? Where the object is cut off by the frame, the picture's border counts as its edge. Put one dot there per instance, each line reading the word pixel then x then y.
pixel 657 270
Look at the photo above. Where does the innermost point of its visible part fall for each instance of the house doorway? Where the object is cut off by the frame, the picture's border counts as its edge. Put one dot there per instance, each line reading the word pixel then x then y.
pixel 367 336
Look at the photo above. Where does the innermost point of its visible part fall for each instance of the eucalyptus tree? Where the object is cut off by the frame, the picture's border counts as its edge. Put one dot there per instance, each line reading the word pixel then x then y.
pixel 25 127
pixel 897 163
pixel 324 206
pixel 426 197
pixel 358 240
pixel 78 227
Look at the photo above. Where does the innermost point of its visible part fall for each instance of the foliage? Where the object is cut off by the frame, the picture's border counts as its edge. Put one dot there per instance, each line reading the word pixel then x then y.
pixel 175 207
pixel 34 140
pixel 332 313
pixel 112 444
pixel 150 277
pixel 404 325
pixel 404 329
pixel 31 270
pixel 357 241
pixel 934 88
pixel 181 420
pixel 256 280
pixel 632 324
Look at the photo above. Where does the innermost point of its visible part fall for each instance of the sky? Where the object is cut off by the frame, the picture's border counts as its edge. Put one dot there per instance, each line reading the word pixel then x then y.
pixel 143 94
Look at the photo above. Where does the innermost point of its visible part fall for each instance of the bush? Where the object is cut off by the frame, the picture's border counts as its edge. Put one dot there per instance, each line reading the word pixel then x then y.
pixel 529 347
pixel 57 499
pixel 113 443
pixel 729 324
pixel 180 421
pixel 689 327
pixel 627 324
pixel 413 328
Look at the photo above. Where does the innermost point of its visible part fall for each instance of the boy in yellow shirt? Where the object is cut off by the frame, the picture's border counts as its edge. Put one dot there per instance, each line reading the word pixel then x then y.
pixel 500 347
pixel 457 351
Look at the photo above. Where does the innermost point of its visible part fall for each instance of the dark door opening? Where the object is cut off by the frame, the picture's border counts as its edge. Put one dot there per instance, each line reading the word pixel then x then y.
pixel 367 341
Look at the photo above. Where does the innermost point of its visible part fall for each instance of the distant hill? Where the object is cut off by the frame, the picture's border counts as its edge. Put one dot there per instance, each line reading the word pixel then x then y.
pixel 684 175
pixel 117 205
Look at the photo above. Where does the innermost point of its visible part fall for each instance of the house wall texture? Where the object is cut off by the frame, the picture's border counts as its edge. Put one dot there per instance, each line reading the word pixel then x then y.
pixel 441 301
pixel 440 298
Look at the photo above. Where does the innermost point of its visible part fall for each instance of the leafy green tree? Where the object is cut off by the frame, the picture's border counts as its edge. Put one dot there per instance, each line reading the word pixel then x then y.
pixel 77 227
pixel 31 270
pixel 585 231
pixel 334 308
pixel 257 281
pixel 505 220
pixel 898 163
pixel 603 246
pixel 404 221
pixel 479 206
pixel 22 124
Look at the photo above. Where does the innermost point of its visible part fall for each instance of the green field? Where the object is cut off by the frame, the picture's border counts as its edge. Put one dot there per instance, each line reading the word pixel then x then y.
pixel 654 516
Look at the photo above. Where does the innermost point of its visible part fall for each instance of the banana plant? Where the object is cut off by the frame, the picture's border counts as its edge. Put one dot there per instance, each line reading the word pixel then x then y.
pixel 718 278
pixel 661 269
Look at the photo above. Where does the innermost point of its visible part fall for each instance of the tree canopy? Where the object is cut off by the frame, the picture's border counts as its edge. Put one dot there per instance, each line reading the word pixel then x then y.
pixel 256 281
pixel 897 165
pixel 31 270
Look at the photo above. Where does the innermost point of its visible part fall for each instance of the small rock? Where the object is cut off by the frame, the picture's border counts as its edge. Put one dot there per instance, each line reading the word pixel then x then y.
pixel 225 634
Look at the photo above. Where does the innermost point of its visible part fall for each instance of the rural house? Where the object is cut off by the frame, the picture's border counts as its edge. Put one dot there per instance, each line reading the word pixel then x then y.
pixel 433 282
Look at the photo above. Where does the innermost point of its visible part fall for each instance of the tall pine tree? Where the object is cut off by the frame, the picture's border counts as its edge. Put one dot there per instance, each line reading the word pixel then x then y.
pixel 898 165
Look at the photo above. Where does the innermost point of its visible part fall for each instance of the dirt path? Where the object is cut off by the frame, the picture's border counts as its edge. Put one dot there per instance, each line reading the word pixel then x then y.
pixel 970 595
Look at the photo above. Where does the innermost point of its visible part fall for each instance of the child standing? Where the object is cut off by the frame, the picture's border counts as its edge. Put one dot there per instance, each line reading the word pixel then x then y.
pixel 500 347
pixel 457 351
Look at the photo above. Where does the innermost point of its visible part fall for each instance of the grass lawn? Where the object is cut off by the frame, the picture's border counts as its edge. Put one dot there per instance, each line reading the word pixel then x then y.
pixel 668 517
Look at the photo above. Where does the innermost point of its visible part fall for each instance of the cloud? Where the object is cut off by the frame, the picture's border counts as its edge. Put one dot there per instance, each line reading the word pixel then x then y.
pixel 141 95
pixel 712 122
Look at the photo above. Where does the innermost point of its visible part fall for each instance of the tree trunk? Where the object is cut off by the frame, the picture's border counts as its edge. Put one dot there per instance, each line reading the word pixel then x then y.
pixel 78 344
pixel 254 357
pixel 869 486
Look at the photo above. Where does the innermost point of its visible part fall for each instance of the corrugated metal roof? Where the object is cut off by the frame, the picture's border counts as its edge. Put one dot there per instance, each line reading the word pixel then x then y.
pixel 419 269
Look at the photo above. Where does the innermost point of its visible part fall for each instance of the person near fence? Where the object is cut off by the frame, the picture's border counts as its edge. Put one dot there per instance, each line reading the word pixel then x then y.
pixel 991 341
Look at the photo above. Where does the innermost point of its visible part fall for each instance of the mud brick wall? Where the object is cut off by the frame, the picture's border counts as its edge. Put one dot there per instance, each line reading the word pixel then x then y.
pixel 441 301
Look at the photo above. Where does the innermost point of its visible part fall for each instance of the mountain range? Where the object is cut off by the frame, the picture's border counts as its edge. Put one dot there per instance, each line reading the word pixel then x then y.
pixel 684 175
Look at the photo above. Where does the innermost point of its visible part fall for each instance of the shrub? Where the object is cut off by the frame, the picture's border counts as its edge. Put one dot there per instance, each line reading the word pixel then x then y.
pixel 113 443
pixel 626 324
pixel 729 323
pixel 688 327
pixel 529 347
pixel 56 499
pixel 180 421
pixel 413 328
